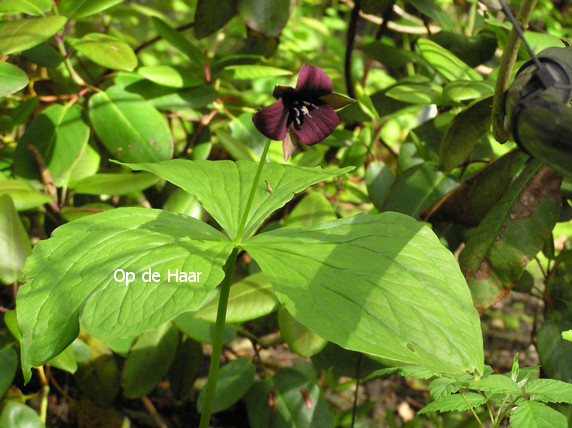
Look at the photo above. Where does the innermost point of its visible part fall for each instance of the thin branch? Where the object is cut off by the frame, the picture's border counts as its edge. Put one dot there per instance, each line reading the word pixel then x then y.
pixel 350 41
pixel 500 131
pixel 356 395
pixel 157 38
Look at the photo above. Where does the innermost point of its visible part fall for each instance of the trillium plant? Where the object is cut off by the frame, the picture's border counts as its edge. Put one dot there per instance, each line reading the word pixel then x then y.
pixel 369 283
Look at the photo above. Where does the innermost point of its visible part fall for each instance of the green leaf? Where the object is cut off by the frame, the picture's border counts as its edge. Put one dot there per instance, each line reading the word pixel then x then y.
pixel 178 41
pixel 165 98
pixel 454 403
pixel 497 384
pixel 473 50
pixel 293 407
pixel 60 135
pixel 554 352
pixel 99 379
pixel 107 51
pixel 23 195
pixel 212 16
pixel 22 34
pixel 135 240
pixel 251 72
pixel 181 202
pixel 129 127
pixel 167 75
pixel 414 94
pixel 365 103
pixel 298 338
pixel 567 335
pixel 114 184
pixel 445 63
pixel 237 148
pixel 249 299
pixel 392 57
pixel 65 361
pixel 185 368
pixel 9 364
pixel 84 8
pixel 417 189
pixel 337 101
pixel 511 234
pixel 12 79
pixel 530 414
pixel 442 387
pixel 149 361
pixel 203 331
pixel 268 17
pixel 463 90
pixel 433 11
pixel 201 177
pixel 234 381
pixel 15 244
pixel 12 324
pixel 379 179
pixel 549 391
pixel 30 7
pixel 312 209
pixel 464 134
pixel 18 415
pixel 406 308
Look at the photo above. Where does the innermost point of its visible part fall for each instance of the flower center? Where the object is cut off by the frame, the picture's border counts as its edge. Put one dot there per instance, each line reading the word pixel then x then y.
pixel 299 111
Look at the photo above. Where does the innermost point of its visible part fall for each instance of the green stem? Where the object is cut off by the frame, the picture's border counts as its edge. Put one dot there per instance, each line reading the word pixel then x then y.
pixel 210 389
pixel 472 410
pixel 500 131
pixel 238 236
pixel 218 338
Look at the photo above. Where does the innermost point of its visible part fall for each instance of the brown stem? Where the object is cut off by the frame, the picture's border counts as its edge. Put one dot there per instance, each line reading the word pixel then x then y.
pixel 351 36
pixel 205 120
pixel 49 186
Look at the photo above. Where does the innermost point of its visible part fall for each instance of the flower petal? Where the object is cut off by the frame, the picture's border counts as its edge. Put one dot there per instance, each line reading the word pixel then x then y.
pixel 289 144
pixel 317 125
pixel 272 121
pixel 313 80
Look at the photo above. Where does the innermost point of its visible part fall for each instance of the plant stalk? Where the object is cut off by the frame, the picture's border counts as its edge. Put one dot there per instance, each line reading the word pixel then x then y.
pixel 500 132
pixel 223 302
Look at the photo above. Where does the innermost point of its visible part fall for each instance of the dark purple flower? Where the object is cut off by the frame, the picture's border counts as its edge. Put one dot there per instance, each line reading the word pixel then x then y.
pixel 301 114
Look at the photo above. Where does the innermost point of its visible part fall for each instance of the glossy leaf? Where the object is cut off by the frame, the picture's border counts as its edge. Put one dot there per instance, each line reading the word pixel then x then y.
pixel 149 361
pixel 414 94
pixel 21 34
pixel 84 8
pixel 417 189
pixel 445 63
pixel 464 134
pixel 18 415
pixel 15 244
pixel 250 72
pixel 249 299
pixel 268 17
pixel 324 277
pixel 107 51
pixel 234 381
pixel 60 135
pixel 212 16
pixel 132 239
pixel 200 177
pixel 12 79
pixel 30 7
pixel 530 414
pixel 463 90
pixel 167 75
pixel 511 234
pixel 129 127
pixel 65 361
pixel 299 339
pixel 312 209
pixel 23 195
pixel 114 184
pixel 473 50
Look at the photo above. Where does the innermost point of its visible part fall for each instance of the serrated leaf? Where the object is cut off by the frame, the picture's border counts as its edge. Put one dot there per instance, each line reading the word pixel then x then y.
pixel 148 361
pixel 464 134
pixel 201 177
pixel 442 387
pixel 107 51
pixel 323 275
pixel 129 127
pixel 495 384
pixel 21 34
pixel 511 234
pixel 531 414
pixel 454 403
pixel 250 298
pixel 57 293
pixel 445 63
pixel 60 135
pixel 549 391
pixel 85 8
pixel 15 244
pixel 12 79
pixel 234 381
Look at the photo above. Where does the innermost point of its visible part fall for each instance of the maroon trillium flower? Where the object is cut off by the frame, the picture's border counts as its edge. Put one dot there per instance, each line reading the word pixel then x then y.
pixel 302 114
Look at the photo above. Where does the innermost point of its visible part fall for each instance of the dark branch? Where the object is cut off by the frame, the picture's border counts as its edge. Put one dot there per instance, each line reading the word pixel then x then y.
pixel 350 46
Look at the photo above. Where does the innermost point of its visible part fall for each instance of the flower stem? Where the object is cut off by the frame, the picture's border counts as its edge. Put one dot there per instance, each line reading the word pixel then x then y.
pixel 500 132
pixel 210 389
pixel 238 236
